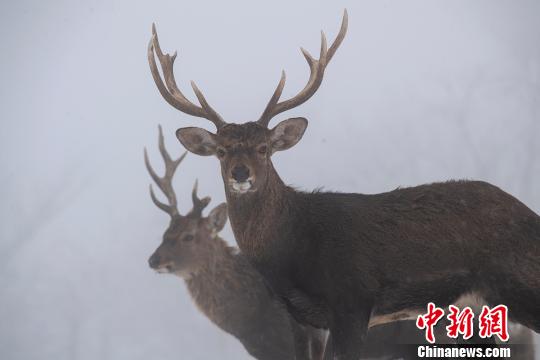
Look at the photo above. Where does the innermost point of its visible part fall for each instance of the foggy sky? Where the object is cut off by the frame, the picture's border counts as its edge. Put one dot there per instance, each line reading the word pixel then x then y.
pixel 420 91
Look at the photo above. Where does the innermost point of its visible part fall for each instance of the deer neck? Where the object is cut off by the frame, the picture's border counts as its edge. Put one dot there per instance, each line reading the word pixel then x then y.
pixel 220 257
pixel 210 285
pixel 254 215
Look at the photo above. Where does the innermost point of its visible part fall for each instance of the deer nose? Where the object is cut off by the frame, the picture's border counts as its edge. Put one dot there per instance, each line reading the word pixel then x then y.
pixel 240 173
pixel 154 261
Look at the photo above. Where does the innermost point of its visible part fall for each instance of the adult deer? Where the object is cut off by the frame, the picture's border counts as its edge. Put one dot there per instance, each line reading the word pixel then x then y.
pixel 345 261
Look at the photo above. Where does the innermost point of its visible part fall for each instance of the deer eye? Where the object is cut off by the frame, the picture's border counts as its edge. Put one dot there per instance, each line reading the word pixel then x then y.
pixel 188 238
pixel 220 152
pixel 262 149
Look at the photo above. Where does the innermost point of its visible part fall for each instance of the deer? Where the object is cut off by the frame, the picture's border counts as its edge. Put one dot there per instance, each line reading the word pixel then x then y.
pixel 348 261
pixel 229 291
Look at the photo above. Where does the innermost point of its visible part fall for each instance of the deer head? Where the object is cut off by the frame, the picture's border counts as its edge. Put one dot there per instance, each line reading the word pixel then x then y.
pixel 187 243
pixel 244 150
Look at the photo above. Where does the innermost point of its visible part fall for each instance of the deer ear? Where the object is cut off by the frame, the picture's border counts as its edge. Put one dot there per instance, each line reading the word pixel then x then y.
pixel 218 217
pixel 197 140
pixel 287 133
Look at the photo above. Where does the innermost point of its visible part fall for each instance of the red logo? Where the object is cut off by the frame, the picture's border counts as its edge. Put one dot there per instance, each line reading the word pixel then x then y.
pixel 429 320
pixel 460 322
pixel 491 322
pixel 494 322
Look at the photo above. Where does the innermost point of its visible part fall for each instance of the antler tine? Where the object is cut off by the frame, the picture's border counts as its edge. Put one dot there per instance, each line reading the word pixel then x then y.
pixel 198 204
pixel 339 38
pixel 158 203
pixel 274 99
pixel 316 67
pixel 169 89
pixel 324 51
pixel 165 182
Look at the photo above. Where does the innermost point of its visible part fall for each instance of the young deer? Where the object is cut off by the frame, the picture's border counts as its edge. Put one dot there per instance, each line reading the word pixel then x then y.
pixel 347 261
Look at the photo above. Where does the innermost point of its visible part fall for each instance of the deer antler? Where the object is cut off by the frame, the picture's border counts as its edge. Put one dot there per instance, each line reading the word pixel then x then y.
pixel 198 204
pixel 165 182
pixel 169 90
pixel 316 67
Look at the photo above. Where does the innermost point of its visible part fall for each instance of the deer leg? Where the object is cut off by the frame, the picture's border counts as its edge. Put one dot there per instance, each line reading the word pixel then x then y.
pixel 301 340
pixel 309 340
pixel 317 343
pixel 349 330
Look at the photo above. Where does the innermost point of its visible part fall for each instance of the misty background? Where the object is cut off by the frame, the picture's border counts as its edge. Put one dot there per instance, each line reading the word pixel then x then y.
pixel 420 91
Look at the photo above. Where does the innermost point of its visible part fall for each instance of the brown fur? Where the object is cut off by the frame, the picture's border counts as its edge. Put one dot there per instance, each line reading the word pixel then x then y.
pixel 339 259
